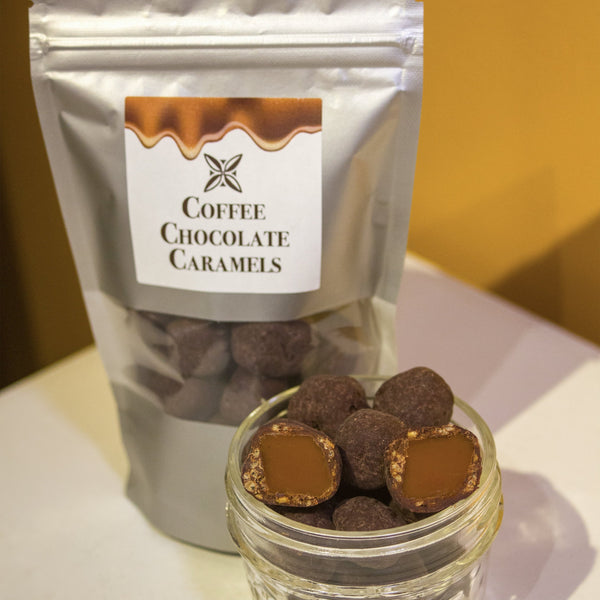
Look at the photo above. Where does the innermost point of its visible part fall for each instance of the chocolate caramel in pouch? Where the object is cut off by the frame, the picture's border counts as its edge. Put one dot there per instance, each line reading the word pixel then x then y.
pixel 235 178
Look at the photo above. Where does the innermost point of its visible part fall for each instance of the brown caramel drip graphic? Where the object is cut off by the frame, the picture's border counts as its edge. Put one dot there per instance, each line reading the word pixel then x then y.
pixel 192 122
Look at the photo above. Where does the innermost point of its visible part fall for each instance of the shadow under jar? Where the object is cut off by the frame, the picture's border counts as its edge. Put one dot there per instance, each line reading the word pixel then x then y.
pixel 440 557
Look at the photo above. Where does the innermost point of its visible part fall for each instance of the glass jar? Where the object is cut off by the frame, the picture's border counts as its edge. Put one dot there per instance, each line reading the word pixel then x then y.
pixel 440 557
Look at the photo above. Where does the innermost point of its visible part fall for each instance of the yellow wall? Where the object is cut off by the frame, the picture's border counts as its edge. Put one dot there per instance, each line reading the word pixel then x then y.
pixel 507 192
pixel 42 317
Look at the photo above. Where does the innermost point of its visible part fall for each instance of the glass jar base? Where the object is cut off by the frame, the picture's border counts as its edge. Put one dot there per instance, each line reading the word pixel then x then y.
pixel 470 586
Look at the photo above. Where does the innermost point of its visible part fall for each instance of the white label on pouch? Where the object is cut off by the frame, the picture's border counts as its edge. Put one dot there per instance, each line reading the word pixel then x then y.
pixel 236 215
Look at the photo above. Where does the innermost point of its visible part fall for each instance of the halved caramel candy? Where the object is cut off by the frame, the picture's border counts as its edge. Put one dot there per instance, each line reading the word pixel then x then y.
pixel 289 463
pixel 433 467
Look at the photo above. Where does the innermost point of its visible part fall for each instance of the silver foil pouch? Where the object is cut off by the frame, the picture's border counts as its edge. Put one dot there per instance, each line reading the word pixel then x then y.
pixel 235 177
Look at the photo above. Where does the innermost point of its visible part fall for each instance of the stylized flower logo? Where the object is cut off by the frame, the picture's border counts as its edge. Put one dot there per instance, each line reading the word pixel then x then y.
pixel 222 173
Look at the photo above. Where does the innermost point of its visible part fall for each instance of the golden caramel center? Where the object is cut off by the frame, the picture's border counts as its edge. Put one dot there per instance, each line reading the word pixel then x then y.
pixel 294 464
pixel 436 466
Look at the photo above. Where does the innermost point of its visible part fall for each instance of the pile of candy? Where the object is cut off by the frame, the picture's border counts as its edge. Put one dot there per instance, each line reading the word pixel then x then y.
pixel 340 461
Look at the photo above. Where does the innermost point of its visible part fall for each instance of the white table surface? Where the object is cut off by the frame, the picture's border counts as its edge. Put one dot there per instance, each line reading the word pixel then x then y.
pixel 68 532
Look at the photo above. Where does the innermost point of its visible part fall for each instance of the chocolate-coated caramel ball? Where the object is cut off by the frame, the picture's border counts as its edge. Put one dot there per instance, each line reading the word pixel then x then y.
pixel 363 438
pixel 363 513
pixel 196 400
pixel 274 349
pixel 419 397
pixel 288 463
pixel 325 401
pixel 431 468
pixel 151 327
pixel 157 383
pixel 315 516
pixel 244 392
pixel 201 348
